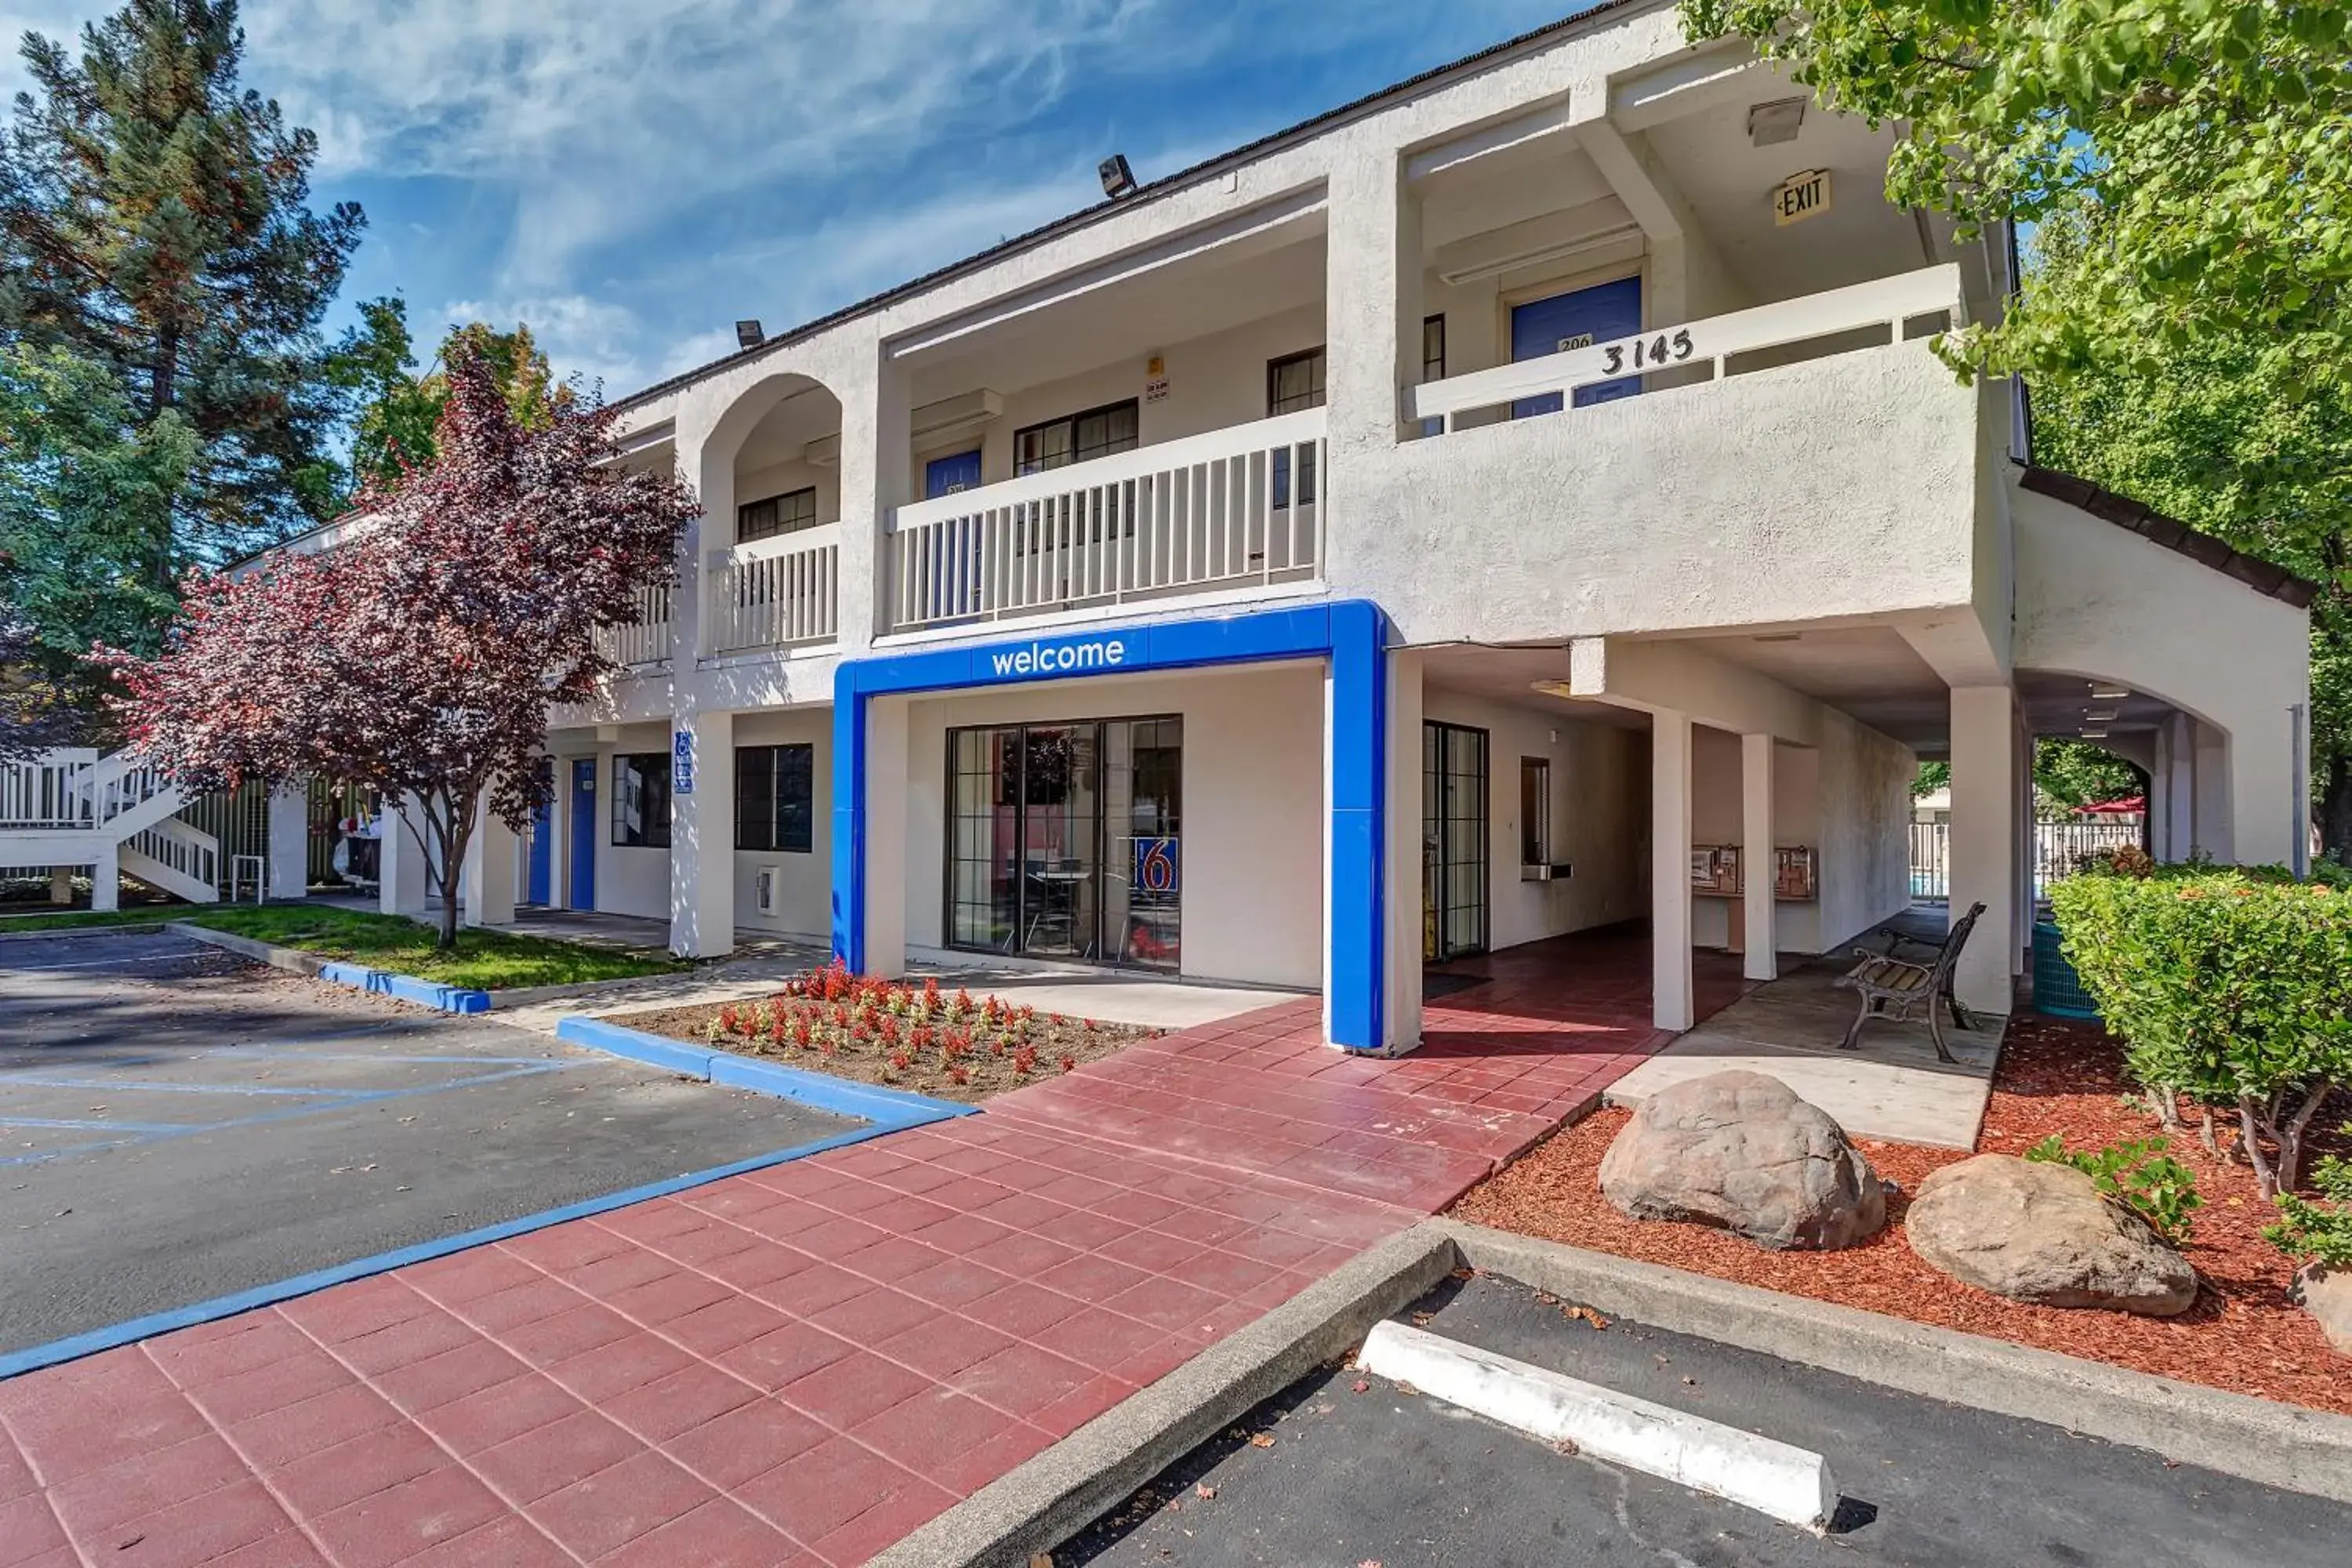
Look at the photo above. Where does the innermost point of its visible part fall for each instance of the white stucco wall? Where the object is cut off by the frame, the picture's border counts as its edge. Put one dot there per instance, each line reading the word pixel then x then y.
pixel 1594 827
pixel 1864 795
pixel 1253 807
pixel 2098 602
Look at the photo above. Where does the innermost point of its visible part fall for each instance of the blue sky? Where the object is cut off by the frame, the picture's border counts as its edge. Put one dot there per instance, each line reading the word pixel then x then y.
pixel 630 178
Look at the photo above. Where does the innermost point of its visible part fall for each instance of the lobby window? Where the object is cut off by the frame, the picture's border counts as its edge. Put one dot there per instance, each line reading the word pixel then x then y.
pixel 787 513
pixel 775 798
pixel 1076 439
pixel 641 801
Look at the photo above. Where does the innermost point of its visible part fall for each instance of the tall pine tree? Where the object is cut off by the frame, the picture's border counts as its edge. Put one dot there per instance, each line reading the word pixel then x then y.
pixel 154 224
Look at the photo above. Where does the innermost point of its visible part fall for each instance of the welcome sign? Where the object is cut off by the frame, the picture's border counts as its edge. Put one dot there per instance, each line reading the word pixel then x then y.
pixel 1059 657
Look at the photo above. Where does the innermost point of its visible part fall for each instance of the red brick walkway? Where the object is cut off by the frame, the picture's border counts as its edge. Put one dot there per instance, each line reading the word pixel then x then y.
pixel 801 1365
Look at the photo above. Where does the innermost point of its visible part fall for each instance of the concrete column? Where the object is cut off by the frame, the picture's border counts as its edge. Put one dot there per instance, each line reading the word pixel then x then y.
pixel 401 866
pixel 876 477
pixel 2215 828
pixel 106 878
pixel 1373 297
pixel 1356 933
pixel 488 886
pixel 1672 1002
pixel 1402 855
pixel 1988 823
pixel 61 884
pixel 2175 780
pixel 289 840
pixel 702 835
pixel 1762 959
pixel 884 836
pixel 708 465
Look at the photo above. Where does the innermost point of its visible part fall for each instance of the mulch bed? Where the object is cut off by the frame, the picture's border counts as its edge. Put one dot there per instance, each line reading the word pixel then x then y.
pixel 2243 1335
pixel 950 1045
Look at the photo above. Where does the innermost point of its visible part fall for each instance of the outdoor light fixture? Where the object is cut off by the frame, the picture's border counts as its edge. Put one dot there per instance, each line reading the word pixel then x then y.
pixel 2094 735
pixel 2099 715
pixel 1769 124
pixel 2109 693
pixel 749 335
pixel 1118 179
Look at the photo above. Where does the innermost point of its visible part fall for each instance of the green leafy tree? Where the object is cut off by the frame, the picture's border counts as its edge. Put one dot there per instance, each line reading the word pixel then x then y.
pixel 2072 774
pixel 395 409
pixel 2216 135
pixel 154 225
pixel 85 487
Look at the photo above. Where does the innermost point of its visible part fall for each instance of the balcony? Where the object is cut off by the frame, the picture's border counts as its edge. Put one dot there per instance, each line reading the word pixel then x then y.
pixel 1231 509
pixel 776 594
pixel 647 643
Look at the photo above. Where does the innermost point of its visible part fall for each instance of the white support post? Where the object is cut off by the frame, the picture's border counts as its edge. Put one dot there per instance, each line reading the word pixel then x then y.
pixel 106 878
pixel 2175 752
pixel 1374 284
pixel 401 866
pixel 1987 824
pixel 877 478
pixel 289 840
pixel 1762 959
pixel 488 884
pixel 2216 817
pixel 61 884
pixel 1403 870
pixel 886 836
pixel 702 835
pixel 1672 1002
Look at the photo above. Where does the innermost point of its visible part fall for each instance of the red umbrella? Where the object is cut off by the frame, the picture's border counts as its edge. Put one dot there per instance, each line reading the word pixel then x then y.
pixel 2113 807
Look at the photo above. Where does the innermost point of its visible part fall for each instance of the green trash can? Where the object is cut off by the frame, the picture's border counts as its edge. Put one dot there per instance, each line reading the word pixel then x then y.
pixel 2057 989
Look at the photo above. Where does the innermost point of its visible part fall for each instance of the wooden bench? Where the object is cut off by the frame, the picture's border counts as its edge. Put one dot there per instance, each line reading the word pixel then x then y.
pixel 1891 987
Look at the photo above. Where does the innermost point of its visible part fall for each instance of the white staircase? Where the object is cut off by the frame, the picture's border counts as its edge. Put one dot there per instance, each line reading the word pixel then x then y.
pixel 73 808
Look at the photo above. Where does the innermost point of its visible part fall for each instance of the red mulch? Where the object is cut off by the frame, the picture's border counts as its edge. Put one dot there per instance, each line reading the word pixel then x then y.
pixel 2243 1334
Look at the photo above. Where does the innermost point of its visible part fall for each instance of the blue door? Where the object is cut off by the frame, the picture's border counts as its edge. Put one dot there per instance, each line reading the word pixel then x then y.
pixel 544 847
pixel 1600 314
pixel 946 476
pixel 583 833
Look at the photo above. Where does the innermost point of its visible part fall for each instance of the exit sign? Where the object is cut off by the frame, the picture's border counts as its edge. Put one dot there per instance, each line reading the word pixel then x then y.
pixel 1801 197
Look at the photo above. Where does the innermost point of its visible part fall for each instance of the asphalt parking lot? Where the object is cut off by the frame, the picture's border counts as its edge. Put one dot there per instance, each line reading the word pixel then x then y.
pixel 1402 1481
pixel 177 1124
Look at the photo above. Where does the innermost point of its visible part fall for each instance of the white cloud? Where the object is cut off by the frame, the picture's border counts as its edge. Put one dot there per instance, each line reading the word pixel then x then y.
pixel 593 339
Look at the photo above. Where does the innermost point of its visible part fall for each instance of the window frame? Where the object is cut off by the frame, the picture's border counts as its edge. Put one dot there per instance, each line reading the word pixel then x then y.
pixel 1125 404
pixel 782 528
pixel 1535 811
pixel 778 841
pixel 1317 396
pixel 634 762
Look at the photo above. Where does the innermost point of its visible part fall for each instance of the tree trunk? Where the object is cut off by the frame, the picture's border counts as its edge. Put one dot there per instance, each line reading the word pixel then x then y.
pixel 2336 807
pixel 459 838
pixel 163 392
pixel 2250 1131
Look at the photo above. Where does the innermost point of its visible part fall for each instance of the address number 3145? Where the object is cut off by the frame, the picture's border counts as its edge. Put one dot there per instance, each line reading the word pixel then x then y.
pixel 1646 351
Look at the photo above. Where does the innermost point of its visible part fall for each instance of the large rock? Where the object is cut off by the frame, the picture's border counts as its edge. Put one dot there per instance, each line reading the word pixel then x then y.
pixel 2043 1233
pixel 2326 1295
pixel 1740 1151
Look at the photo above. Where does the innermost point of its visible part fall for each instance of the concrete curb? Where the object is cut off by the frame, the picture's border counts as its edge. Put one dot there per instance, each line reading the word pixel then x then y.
pixel 1777 1480
pixel 1062 1490
pixel 869 1101
pixel 128 928
pixel 2254 1439
pixel 531 995
pixel 359 977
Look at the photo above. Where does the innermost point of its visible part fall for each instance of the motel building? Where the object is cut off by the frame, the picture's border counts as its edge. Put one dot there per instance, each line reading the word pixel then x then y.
pixel 1485 513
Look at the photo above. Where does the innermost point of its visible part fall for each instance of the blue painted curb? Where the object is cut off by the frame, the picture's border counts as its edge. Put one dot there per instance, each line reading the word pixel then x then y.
pixel 888 1109
pixel 871 1101
pixel 407 988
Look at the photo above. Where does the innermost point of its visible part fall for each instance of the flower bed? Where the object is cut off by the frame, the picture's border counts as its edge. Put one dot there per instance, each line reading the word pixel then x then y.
pixel 950 1045
pixel 2243 1334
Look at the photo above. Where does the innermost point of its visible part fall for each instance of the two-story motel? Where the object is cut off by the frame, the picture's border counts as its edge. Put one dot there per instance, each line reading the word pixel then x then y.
pixel 1411 535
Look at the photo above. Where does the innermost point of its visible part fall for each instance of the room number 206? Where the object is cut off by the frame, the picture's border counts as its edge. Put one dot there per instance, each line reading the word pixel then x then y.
pixel 1660 350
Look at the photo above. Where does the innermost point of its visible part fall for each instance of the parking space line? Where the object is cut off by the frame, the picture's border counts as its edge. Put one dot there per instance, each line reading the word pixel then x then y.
pixel 99 1123
pixel 149 1086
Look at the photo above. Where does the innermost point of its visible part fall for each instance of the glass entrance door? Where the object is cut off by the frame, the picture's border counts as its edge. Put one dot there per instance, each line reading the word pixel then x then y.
pixel 1454 840
pixel 1064 840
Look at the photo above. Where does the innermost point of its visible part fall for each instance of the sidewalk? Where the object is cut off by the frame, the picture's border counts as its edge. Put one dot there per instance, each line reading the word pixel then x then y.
pixel 800 1364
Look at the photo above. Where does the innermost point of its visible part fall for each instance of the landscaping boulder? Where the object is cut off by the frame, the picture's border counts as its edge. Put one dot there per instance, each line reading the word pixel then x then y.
pixel 2045 1233
pixel 1740 1151
pixel 2326 1295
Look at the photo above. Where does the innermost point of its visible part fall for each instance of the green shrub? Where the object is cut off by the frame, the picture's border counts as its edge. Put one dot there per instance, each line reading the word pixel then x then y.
pixel 2317 1232
pixel 2139 1174
pixel 2232 985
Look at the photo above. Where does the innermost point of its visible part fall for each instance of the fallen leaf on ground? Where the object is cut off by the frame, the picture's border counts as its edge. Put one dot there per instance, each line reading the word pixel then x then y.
pixel 1203 1489
pixel 1565 1446
pixel 1362 1388
pixel 1405 1388
pixel 1262 1440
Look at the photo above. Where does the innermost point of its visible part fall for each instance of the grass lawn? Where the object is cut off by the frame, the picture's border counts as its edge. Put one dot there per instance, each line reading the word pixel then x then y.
pixel 488 960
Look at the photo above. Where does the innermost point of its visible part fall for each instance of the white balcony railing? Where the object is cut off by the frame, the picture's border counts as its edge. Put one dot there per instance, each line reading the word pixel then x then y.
pixel 647 642
pixel 51 790
pixel 1224 510
pixel 777 593
pixel 1830 322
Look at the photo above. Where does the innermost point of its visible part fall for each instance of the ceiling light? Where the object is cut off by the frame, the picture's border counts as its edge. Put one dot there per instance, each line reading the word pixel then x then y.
pixel 2109 693
pixel 1769 124
pixel 2099 715
pixel 2099 734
